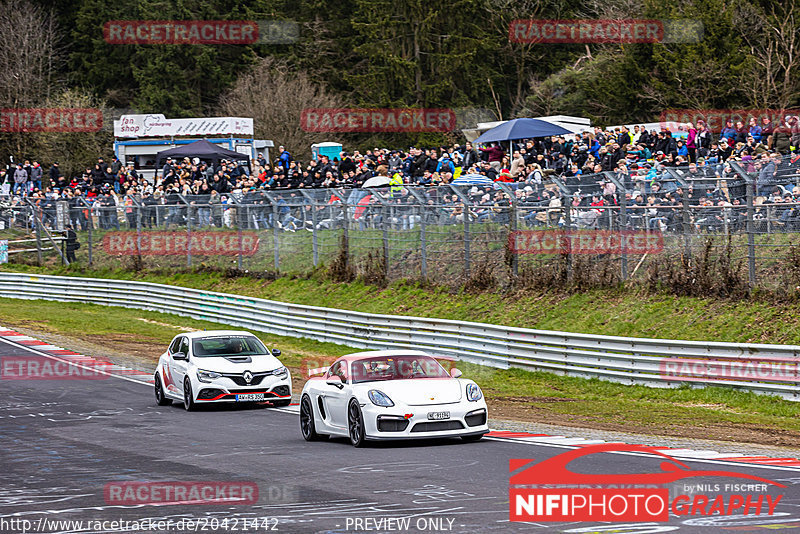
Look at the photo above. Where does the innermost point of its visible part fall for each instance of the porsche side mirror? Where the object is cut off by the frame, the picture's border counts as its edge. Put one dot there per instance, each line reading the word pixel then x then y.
pixel 335 381
pixel 276 352
pixel 180 356
pixel 455 373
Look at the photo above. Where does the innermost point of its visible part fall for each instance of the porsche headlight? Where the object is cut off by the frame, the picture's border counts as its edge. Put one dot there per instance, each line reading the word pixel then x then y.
pixel 281 372
pixel 207 376
pixel 379 398
pixel 474 393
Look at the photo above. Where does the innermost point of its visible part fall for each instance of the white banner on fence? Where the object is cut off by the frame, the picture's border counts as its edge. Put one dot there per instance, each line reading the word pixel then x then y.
pixel 156 125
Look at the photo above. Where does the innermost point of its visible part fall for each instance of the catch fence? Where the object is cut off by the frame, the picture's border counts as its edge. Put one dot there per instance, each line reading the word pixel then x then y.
pixel 746 213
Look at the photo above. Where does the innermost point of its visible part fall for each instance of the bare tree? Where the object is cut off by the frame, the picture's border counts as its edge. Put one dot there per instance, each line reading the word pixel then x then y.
pixel 697 84
pixel 29 53
pixel 275 96
pixel 29 59
pixel 524 55
pixel 610 9
pixel 617 10
pixel 773 36
pixel 74 151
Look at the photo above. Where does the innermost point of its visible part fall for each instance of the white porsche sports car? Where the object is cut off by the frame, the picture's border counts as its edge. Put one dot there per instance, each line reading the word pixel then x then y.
pixel 221 366
pixel 395 394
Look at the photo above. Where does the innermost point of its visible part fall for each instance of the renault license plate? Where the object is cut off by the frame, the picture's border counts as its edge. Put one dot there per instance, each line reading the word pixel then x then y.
pixel 435 416
pixel 250 397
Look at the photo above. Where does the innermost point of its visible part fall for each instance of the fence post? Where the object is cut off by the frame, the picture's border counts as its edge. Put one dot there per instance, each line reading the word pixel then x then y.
pixel 568 226
pixel 239 256
pixel 623 225
pixel 138 209
pixel 750 226
pixel 751 239
pixel 314 238
pixel 188 234
pixel 687 226
pixel 90 227
pixel 514 255
pixel 466 240
pixel 36 221
pixel 423 243
pixel 385 236
pixel 275 228
pixel 346 231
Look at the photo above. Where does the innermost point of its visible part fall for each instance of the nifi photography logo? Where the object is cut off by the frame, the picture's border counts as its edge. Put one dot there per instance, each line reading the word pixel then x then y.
pixel 548 491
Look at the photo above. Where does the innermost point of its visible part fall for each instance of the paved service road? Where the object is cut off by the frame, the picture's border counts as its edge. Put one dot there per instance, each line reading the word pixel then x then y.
pixel 63 441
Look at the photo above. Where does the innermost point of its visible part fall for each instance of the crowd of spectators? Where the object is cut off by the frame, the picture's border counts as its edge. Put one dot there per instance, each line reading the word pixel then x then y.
pixel 582 170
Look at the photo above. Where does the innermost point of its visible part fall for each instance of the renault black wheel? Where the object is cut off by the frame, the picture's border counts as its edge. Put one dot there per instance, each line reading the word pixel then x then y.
pixel 161 399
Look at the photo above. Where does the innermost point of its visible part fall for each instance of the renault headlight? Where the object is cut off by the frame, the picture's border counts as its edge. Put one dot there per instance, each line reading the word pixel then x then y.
pixel 281 372
pixel 474 393
pixel 379 398
pixel 207 376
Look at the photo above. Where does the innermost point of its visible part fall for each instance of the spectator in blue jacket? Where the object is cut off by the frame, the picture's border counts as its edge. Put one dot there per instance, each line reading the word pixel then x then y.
pixel 728 132
pixel 284 158
pixel 755 130
pixel 682 148
pixel 594 148
pixel 445 165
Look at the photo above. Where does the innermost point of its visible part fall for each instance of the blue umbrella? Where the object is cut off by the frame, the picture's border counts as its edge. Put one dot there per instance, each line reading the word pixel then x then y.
pixel 521 129
pixel 473 179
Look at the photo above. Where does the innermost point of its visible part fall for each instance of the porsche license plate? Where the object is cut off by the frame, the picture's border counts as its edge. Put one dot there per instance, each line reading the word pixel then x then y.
pixel 435 416
pixel 250 397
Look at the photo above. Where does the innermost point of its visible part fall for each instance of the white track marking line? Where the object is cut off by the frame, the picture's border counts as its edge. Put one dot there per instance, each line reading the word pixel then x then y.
pixel 58 359
pixel 294 410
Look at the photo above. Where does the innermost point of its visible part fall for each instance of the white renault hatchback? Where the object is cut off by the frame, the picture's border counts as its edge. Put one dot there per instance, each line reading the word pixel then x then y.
pixel 221 366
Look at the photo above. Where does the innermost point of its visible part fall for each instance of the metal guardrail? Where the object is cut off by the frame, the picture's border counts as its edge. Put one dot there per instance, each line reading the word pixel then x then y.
pixel 761 368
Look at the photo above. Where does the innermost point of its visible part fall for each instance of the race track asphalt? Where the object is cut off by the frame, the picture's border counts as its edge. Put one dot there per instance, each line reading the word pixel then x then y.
pixel 62 441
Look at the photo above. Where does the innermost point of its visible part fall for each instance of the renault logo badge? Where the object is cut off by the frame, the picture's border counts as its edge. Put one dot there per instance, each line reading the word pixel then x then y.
pixel 248 376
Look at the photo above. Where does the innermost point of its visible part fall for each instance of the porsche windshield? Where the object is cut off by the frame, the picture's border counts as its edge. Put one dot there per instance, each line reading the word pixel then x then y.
pixel 396 368
pixel 227 346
